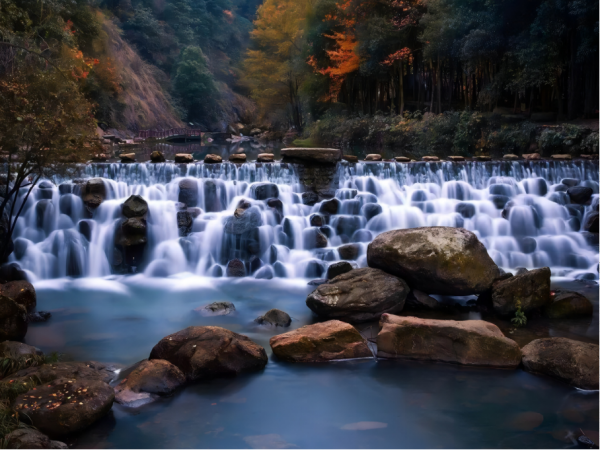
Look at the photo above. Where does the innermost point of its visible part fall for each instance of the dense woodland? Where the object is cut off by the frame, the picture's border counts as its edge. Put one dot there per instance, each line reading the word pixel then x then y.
pixel 154 63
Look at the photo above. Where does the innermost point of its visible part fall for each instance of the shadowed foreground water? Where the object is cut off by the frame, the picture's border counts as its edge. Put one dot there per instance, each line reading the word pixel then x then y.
pixel 346 404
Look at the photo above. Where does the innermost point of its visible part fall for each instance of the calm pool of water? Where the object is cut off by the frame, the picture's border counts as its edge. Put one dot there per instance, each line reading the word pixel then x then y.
pixel 346 404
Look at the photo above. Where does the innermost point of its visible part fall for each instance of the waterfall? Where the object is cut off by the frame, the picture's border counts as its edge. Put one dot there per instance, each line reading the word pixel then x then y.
pixel 256 213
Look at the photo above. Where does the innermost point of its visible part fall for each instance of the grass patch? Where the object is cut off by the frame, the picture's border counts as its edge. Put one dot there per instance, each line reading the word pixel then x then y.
pixel 9 417
pixel 12 365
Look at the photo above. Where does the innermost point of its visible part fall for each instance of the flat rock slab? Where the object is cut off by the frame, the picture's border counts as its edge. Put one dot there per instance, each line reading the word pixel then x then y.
pixel 435 260
pixel 90 370
pixel 320 342
pixel 530 290
pixel 359 296
pixel 316 155
pixel 148 380
pixel 467 342
pixel 65 406
pixel 573 362
pixel 209 352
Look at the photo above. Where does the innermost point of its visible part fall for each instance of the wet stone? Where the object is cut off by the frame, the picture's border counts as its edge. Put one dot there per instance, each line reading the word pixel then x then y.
pixel 216 309
pixel 276 318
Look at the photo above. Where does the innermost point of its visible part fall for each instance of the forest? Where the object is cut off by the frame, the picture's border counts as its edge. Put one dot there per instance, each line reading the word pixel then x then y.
pixel 287 63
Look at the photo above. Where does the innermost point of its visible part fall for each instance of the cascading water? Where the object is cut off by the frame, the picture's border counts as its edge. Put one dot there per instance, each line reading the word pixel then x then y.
pixel 202 216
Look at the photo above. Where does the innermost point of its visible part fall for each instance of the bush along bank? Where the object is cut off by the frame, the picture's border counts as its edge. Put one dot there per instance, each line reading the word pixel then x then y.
pixel 465 133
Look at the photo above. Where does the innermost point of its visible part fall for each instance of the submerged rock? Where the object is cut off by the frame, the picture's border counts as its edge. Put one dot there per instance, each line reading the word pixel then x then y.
pixel 147 381
pixel 276 318
pixel 209 352
pixel 358 296
pixel 573 362
pixel 216 309
pixel 320 342
pixel 568 304
pixel 437 260
pixel 468 342
pixel 65 406
pixel 530 290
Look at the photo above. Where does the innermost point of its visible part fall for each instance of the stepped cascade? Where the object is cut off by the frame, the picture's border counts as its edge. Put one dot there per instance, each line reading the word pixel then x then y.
pixel 253 219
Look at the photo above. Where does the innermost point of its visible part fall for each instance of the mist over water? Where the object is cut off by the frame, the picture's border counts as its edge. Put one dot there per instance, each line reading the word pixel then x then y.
pixel 519 210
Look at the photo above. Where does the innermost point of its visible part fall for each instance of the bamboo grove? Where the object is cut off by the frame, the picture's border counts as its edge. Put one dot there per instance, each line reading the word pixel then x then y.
pixel 361 57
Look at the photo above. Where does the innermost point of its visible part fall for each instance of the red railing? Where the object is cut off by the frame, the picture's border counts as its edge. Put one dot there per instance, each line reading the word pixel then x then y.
pixel 183 132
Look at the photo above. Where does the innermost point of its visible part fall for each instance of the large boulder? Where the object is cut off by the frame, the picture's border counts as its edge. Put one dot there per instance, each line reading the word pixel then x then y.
pixel 313 155
pixel 30 438
pixel 359 296
pixel 65 406
pixel 349 251
pixel 468 342
pixel 320 342
pixel 580 194
pixel 530 290
pixel 276 318
pixel 571 361
pixel 216 309
pixel 94 193
pixel 133 232
pixel 147 381
pixel 13 319
pixel 134 206
pixel 568 304
pixel 209 352
pixel 188 192
pixel 436 260
pixel 22 292
pixel 264 191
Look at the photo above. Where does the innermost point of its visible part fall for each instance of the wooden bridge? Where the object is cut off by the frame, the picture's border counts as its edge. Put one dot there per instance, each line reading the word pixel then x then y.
pixel 173 133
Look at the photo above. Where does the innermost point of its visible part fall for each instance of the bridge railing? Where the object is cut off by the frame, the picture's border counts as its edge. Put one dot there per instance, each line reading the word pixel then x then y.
pixel 162 134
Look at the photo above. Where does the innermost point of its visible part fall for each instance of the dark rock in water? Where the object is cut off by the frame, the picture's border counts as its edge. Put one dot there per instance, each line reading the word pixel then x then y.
pixel 362 236
pixel 209 352
pixel 65 204
pixel 15 350
pixel 520 270
pixel 216 309
pixel 314 238
pixel 263 191
pixel 276 318
pixel 235 268
pixel 574 223
pixel 349 251
pixel 94 193
pixel 499 201
pixel 277 205
pixel 347 224
pixel 43 209
pixel 212 202
pixel 184 222
pixel 359 296
pixel 309 198
pixel 134 206
pixel 501 189
pixel 573 362
pixel 568 304
pixel 21 245
pixel 316 220
pixel 560 188
pixel 147 381
pixel 575 210
pixel 536 186
pixel 528 245
pixel 13 319
pixel 254 263
pixel 30 439
pixel 55 415
pixel 243 221
pixel 417 300
pixel 45 190
pixel 157 157
pixel 338 268
pixel 467 210
pixel 314 269
pixel 133 232
pixel 22 292
pixel 65 188
pixel 188 192
pixel 215 271
pixel 570 182
pixel 312 155
pixel 327 231
pixel 481 343
pixel 278 252
pixel 264 273
pixel 371 210
pixel 279 269
pixel 38 316
pixel 330 206
pixel 320 342
pixel 585 442
pixel 437 260
pixel 580 194
pixel 12 272
pixel 85 228
pixel 531 289
pixel 591 223
pixel 317 282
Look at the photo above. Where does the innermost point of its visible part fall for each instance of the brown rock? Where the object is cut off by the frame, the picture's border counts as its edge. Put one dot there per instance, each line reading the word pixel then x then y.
pixel 510 157
pixel 27 438
pixel 184 158
pixel 212 159
pixel 22 292
pixel 350 158
pixel 348 251
pixel 94 193
pixel 13 319
pixel 358 296
pixel 157 157
pixel 482 158
pixel 320 342
pixel 208 352
pixel 430 158
pixel 65 406
pixel 265 157
pixel 16 350
pixel 532 156
pixel 456 158
pixel 562 157
pixel 573 362
pixel 127 157
pixel 568 304
pixel 468 342
pixel 373 157
pixel 237 157
pixel 531 289
pixel 402 159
